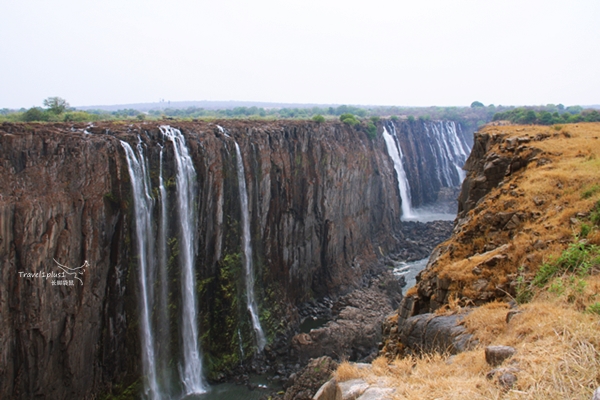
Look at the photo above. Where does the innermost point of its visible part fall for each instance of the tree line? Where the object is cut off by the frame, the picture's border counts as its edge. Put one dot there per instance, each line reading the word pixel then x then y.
pixel 57 109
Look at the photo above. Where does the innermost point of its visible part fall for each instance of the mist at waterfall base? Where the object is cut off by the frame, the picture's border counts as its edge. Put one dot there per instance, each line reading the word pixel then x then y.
pixel 233 391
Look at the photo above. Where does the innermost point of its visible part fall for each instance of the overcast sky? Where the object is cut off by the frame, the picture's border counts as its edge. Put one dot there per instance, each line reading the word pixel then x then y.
pixel 376 52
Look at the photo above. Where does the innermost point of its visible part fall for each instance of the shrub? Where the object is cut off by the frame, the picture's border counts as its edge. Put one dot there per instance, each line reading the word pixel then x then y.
pixel 35 114
pixel 585 230
pixel 318 118
pixel 579 257
pixel 595 214
pixel 589 192
pixel 349 119
pixel 372 130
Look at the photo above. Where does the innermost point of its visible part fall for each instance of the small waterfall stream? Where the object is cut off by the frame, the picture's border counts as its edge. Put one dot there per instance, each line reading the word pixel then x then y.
pixel 247 251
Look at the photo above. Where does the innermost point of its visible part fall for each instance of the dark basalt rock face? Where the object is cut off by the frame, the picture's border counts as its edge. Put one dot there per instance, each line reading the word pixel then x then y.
pixel 324 209
pixel 323 202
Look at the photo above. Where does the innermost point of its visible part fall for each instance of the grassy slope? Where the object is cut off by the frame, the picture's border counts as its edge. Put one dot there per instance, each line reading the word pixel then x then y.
pixel 557 333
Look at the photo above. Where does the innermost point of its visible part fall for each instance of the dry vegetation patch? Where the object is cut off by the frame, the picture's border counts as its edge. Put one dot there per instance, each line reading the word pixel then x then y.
pixel 536 211
pixel 558 357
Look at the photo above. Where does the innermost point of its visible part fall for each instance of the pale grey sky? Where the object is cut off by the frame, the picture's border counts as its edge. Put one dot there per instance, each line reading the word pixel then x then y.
pixel 380 52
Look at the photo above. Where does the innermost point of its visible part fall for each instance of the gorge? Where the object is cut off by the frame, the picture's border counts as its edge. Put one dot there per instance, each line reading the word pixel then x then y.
pixel 202 241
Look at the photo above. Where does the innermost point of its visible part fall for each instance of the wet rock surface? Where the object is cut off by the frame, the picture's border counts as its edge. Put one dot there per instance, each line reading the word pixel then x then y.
pixel 355 328
pixel 418 239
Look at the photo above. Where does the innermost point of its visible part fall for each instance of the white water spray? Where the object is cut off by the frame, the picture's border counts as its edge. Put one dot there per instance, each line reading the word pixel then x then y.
pixel 247 250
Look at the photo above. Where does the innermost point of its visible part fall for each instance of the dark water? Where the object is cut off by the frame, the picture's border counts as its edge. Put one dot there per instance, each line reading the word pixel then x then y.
pixel 232 391
pixel 312 323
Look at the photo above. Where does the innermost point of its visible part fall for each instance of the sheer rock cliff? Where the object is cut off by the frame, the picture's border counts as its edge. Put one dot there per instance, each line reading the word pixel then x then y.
pixel 324 205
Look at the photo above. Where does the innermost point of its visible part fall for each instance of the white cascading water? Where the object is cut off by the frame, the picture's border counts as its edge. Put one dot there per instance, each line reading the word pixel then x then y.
pixel 450 151
pixel 247 250
pixel 164 337
pixel 395 152
pixel 143 204
pixel 191 370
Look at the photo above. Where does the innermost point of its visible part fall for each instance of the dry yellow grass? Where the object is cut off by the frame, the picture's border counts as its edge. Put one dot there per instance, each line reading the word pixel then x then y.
pixel 549 196
pixel 557 340
pixel 558 355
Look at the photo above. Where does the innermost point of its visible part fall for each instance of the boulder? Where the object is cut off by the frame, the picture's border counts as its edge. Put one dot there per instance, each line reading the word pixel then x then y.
pixel 495 355
pixel 308 381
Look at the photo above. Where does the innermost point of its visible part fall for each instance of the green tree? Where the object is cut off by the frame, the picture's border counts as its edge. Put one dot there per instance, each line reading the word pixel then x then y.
pixel 476 104
pixel 57 105
pixel 318 118
pixel 35 114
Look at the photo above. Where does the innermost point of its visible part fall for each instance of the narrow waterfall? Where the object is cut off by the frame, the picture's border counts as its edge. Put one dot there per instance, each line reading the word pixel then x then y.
pixel 164 335
pixel 247 250
pixel 395 152
pixel 143 205
pixel 191 370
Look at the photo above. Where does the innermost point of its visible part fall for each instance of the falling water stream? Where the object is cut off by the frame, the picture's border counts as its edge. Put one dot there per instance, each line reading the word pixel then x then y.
pixel 152 250
pixel 247 250
pixel 143 204
pixel 394 150
pixel 191 370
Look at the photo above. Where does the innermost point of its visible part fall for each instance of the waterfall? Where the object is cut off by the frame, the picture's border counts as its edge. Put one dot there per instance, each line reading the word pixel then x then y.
pixel 152 249
pixel 247 250
pixel 164 334
pixel 191 370
pixel 450 152
pixel 395 152
pixel 143 204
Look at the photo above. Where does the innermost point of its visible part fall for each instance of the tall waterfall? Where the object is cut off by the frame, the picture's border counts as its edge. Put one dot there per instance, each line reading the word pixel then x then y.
pixel 152 250
pixel 247 250
pixel 143 205
pixel 186 198
pixel 164 335
pixel 395 152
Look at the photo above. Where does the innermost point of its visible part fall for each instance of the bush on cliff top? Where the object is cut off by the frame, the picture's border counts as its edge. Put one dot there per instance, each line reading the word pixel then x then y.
pixel 349 119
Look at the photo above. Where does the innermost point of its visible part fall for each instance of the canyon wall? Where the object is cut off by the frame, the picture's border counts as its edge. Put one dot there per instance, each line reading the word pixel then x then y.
pixel 323 203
